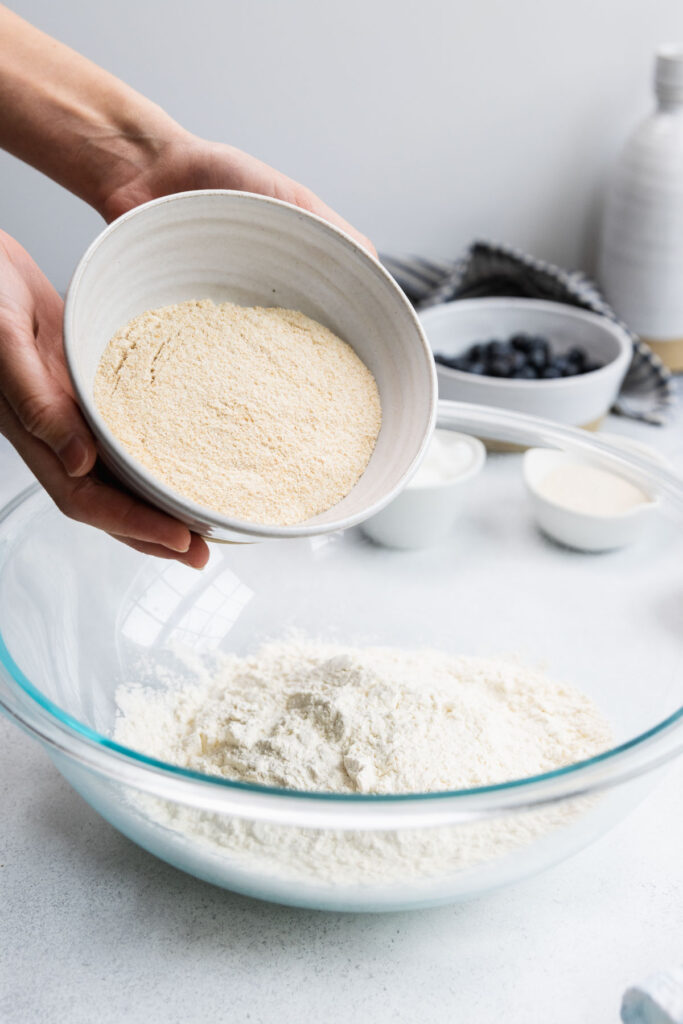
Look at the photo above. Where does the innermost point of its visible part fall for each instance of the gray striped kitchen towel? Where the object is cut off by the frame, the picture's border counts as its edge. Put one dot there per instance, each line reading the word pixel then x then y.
pixel 488 269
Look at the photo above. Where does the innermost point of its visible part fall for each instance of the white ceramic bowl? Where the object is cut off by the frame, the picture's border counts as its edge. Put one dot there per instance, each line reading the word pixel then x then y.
pixel 252 250
pixel 424 514
pixel 579 401
pixel 581 530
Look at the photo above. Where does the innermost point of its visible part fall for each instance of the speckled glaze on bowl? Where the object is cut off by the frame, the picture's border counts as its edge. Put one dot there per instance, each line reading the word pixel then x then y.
pixel 580 401
pixel 248 249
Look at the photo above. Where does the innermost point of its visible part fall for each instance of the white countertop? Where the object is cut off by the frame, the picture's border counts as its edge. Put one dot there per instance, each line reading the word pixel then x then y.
pixel 94 929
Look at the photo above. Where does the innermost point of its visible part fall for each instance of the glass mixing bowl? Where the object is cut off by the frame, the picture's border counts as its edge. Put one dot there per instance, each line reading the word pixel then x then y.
pixel 79 614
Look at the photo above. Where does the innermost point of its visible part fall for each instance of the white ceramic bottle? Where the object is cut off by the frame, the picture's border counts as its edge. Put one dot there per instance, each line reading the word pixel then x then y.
pixel 640 266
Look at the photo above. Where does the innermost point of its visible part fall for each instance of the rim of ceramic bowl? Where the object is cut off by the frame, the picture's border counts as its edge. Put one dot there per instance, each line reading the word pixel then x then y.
pixel 568 312
pixel 651 503
pixel 151 485
pixel 68 738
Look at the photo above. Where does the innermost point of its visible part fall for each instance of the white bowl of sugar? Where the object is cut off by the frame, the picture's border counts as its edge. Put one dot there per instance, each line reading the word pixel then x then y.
pixel 219 248
pixel 582 505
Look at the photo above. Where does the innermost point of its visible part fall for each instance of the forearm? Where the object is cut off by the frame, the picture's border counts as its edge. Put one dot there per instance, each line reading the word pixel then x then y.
pixel 72 120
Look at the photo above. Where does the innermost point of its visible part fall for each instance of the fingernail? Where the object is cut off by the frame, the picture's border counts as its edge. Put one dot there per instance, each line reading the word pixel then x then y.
pixel 182 548
pixel 74 455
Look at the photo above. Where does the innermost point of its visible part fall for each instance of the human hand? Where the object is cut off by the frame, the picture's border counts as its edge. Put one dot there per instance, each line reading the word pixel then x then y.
pixel 185 163
pixel 115 149
pixel 110 145
pixel 40 418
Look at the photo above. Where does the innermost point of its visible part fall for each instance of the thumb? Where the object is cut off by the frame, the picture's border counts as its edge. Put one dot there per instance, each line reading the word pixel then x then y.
pixel 41 404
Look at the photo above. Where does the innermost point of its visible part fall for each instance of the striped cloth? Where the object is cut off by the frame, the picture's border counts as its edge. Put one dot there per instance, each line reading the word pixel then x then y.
pixel 488 269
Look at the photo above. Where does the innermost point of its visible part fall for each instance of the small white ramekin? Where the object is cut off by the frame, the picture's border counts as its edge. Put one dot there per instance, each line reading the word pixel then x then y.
pixel 582 531
pixel 423 515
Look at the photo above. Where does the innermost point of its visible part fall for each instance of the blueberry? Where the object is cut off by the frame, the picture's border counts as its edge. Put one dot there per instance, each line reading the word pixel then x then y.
pixel 522 342
pixel 477 351
pixel 590 366
pixel 498 348
pixel 517 360
pixel 538 357
pixel 459 363
pixel 501 366
pixel 562 364
pixel 550 372
pixel 526 373
pixel 577 356
pixel 479 368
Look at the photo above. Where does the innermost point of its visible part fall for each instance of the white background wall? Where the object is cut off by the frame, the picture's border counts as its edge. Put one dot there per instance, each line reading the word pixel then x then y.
pixel 426 122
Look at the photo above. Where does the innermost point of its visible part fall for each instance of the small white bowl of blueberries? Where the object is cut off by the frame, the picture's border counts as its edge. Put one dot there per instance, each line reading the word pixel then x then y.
pixel 543 358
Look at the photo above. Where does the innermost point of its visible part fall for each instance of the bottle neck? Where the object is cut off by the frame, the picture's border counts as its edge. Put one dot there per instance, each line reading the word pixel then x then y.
pixel 669 79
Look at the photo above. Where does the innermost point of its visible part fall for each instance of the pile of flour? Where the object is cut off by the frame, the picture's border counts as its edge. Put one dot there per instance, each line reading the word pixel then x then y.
pixel 261 414
pixel 313 716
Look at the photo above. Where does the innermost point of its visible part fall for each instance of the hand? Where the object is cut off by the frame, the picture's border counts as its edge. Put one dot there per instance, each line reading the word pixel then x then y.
pixel 186 162
pixel 115 149
pixel 40 418
pixel 107 143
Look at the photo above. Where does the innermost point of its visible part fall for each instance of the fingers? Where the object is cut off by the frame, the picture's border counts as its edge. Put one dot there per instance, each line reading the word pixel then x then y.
pixel 198 552
pixel 40 403
pixel 228 167
pixel 91 501
pixel 195 557
pixel 88 500
pixel 308 200
pixel 39 416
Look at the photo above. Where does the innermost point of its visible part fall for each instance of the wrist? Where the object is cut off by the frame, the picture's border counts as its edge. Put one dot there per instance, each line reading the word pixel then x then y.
pixel 124 156
pixel 71 119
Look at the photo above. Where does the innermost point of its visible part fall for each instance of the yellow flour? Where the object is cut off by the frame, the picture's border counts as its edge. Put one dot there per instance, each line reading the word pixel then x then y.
pixel 261 414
